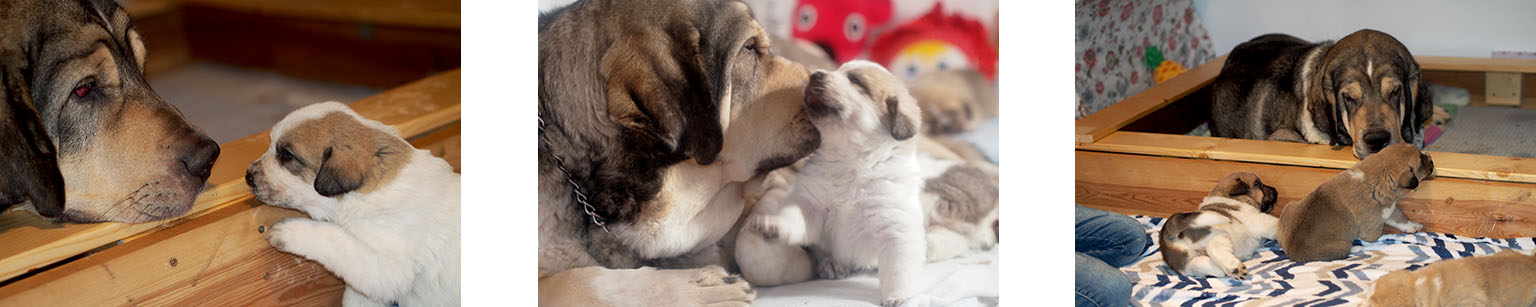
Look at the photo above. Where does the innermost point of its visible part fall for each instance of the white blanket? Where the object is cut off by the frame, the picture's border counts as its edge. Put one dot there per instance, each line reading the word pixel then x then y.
pixel 969 280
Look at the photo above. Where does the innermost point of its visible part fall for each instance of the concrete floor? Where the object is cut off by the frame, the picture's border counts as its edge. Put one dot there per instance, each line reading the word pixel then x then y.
pixel 230 102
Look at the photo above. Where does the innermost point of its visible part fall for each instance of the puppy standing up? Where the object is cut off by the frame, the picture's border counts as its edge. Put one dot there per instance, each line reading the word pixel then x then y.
pixel 856 198
pixel 1229 227
pixel 1354 204
pixel 385 215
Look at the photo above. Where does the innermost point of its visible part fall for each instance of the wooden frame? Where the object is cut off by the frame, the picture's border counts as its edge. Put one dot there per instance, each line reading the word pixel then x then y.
pixel 1158 174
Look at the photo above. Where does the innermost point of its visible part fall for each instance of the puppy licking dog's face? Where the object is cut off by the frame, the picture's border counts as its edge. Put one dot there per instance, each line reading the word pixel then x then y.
pixel 1229 226
pixel 316 156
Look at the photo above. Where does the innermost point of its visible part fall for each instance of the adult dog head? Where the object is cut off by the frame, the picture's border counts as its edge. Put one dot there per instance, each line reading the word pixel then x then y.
pixel 1373 92
pixel 125 154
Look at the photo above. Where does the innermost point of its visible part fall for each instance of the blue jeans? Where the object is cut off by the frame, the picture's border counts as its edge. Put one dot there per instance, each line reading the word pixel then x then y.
pixel 1106 241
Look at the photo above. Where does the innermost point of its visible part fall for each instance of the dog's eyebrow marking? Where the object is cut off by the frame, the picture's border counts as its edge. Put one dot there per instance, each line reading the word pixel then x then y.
pixel 1368 68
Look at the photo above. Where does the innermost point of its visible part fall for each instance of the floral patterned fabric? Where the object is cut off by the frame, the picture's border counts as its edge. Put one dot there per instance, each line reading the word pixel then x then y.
pixel 1112 39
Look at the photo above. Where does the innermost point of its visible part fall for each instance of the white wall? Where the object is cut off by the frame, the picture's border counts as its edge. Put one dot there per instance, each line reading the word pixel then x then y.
pixel 1443 28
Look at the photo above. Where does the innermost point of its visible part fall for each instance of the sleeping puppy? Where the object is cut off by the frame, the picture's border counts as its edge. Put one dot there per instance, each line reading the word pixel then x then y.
pixel 1230 225
pixel 27 158
pixel 856 199
pixel 954 101
pixel 1354 204
pixel 1502 279
pixel 384 216
pixel 959 200
pixel 1364 90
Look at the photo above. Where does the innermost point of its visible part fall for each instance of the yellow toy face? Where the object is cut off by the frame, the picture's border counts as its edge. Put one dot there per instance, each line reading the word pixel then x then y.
pixel 926 56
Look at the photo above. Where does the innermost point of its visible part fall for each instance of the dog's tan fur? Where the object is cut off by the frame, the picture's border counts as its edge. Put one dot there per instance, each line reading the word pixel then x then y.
pixel 1502 279
pixel 1354 204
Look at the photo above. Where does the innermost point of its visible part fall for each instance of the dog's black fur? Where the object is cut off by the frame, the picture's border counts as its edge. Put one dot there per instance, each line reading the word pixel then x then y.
pixel 29 169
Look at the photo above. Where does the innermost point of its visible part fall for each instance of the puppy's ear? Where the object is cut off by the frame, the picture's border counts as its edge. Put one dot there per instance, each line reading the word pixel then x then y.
pixel 1237 188
pixel 28 158
pixel 1408 180
pixel 660 97
pixel 339 174
pixel 901 126
pixel 1270 196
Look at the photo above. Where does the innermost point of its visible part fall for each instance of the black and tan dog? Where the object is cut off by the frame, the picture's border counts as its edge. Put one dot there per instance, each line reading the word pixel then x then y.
pixel 652 110
pixel 1364 90
pixel 125 154
pixel 1354 204
pixel 31 171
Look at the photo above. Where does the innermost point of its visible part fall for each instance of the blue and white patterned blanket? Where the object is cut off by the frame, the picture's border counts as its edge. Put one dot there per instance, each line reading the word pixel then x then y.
pixel 1277 281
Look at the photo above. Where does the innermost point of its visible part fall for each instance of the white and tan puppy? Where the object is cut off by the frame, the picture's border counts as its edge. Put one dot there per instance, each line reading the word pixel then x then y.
pixel 384 216
pixel 856 198
pixel 1354 204
pixel 1229 226
pixel 1502 279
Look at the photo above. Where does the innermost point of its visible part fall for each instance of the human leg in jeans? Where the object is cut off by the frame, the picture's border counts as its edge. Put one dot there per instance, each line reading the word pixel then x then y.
pixel 1104 242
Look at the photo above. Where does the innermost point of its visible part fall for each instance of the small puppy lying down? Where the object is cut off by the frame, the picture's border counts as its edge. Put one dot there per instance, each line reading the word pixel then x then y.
pixel 384 216
pixel 1502 279
pixel 855 200
pixel 1354 204
pixel 1228 228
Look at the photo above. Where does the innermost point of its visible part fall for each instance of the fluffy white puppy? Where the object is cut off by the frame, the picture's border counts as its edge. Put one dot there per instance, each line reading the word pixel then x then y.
pixel 384 216
pixel 855 200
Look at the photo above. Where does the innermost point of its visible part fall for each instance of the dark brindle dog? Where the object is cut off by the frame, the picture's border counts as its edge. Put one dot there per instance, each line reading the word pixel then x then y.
pixel 125 154
pixel 29 171
pixel 657 111
pixel 1364 90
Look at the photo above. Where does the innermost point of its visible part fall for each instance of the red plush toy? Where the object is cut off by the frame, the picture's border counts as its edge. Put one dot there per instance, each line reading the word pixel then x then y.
pixel 840 26
pixel 936 41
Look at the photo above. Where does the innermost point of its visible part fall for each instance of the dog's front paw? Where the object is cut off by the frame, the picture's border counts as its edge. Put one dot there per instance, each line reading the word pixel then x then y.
pixel 285 235
pixel 1240 272
pixel 713 286
pixel 893 301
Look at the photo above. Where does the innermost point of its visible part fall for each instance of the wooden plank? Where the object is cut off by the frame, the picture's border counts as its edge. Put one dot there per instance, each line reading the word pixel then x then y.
pixel 1161 186
pixel 376 55
pixel 31 243
pixel 1447 164
pixel 222 259
pixel 1100 124
pixel 407 13
pixel 1475 64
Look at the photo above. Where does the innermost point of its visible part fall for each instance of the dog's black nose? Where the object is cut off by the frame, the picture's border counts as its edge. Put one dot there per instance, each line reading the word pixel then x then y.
pixel 200 162
pixel 1376 140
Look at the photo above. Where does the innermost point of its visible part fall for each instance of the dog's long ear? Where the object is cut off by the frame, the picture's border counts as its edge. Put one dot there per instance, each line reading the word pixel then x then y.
pixel 662 97
pixel 902 127
pixel 1322 105
pixel 1420 106
pixel 30 163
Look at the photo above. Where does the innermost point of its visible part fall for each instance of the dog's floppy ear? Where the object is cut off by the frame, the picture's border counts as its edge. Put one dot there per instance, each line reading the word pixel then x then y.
pixel 901 126
pixel 1420 106
pixel 339 174
pixel 28 159
pixel 662 98
pixel 1322 104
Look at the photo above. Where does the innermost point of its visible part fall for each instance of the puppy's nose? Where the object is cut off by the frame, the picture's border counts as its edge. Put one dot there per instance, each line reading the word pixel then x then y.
pixel 200 162
pixel 819 76
pixel 1376 140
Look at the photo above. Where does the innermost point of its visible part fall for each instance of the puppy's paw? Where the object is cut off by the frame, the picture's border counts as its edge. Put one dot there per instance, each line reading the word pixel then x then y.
pixel 1411 227
pixel 292 235
pixel 893 301
pixel 779 228
pixel 1240 273
pixel 829 269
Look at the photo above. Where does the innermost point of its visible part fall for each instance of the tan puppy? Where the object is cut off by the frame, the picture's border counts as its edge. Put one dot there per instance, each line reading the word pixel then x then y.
pixel 1503 279
pixel 954 101
pixel 1228 228
pixel 1354 204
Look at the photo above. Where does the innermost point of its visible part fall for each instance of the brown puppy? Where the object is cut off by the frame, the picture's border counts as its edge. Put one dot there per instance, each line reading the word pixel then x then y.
pixel 954 101
pixel 1503 279
pixel 1354 204
pixel 1230 225
pixel 1364 90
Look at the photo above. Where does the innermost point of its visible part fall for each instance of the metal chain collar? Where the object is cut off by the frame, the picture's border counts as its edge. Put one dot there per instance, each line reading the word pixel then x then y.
pixel 581 198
